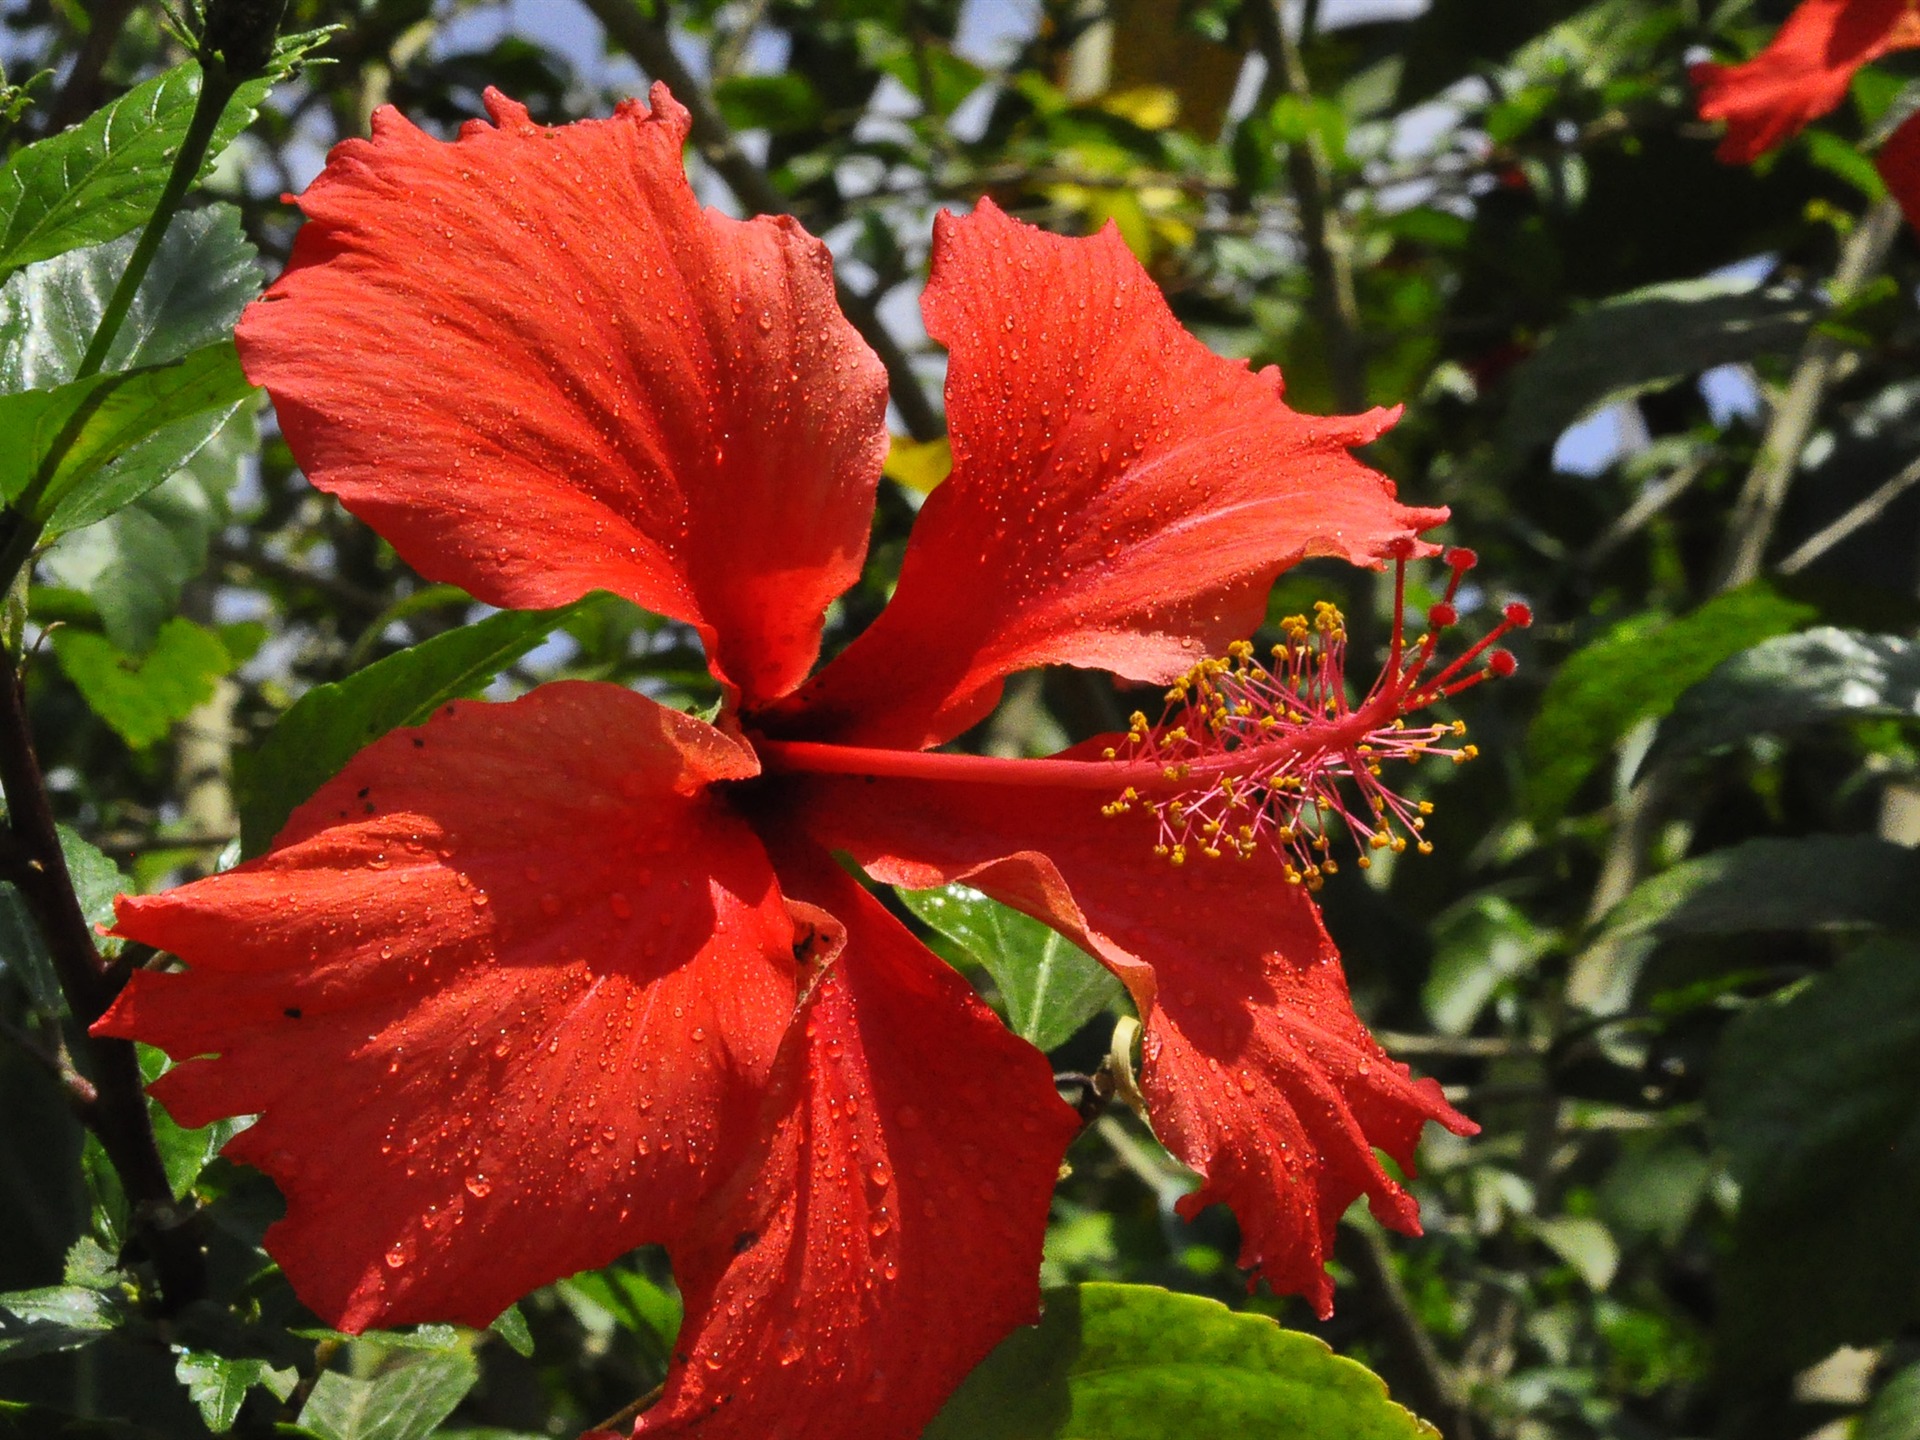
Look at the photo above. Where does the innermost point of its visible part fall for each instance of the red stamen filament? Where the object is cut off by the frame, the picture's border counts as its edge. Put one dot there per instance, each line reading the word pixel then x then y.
pixel 1248 756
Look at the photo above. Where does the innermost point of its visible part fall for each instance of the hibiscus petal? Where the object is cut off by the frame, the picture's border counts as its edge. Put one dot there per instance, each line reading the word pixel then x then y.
pixel 890 1236
pixel 1256 1070
pixel 505 998
pixel 1802 74
pixel 532 361
pixel 1121 498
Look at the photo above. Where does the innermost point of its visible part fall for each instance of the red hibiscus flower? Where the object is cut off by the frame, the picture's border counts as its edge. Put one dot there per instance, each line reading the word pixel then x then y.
pixel 1803 73
pixel 537 983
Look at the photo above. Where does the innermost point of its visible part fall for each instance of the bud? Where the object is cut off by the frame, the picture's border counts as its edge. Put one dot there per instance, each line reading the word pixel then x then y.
pixel 242 33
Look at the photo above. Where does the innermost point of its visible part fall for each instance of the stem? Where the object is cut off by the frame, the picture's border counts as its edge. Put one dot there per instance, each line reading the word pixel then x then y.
pixel 21 525
pixel 217 87
pixel 647 43
pixel 117 1111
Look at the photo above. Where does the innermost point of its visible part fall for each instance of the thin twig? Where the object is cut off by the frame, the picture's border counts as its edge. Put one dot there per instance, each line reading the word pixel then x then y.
pixel 1431 1387
pixel 1649 503
pixel 1758 509
pixel 1858 516
pixel 250 557
pixel 128 844
pixel 1478 1047
pixel 648 44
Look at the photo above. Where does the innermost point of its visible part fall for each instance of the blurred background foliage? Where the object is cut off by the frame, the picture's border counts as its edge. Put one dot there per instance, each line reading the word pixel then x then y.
pixel 1665 953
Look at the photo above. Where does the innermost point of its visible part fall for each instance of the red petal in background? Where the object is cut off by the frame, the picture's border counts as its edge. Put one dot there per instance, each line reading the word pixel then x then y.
pixel 506 1000
pixel 1802 74
pixel 1899 164
pixel 1121 498
pixel 891 1235
pixel 1257 1072
pixel 537 366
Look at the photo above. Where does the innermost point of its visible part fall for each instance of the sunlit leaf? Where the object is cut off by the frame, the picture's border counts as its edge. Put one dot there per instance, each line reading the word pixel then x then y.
pixel 1132 1362
pixel 144 696
pixel 102 177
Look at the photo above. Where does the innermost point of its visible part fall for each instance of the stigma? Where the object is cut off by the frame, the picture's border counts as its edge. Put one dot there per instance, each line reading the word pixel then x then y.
pixel 1270 754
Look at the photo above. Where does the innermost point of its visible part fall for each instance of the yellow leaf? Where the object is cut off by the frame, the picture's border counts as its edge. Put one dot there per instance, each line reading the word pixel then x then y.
pixel 918 464
pixel 1151 107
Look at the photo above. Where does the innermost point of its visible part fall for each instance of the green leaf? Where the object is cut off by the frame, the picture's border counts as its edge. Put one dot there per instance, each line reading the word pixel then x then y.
pixel 1636 672
pixel 511 1326
pixel 1133 1362
pixel 331 724
pixel 136 563
pixel 184 1153
pixel 1638 342
pixel 102 177
pixel 1895 1412
pixel 111 438
pixel 218 1385
pixel 1051 987
pixel 58 1317
pixel 1479 945
pixel 202 277
pixel 144 697
pixel 1817 882
pixel 1585 1244
pixel 1793 681
pixel 405 1399
pixel 1815 1097
pixel 780 104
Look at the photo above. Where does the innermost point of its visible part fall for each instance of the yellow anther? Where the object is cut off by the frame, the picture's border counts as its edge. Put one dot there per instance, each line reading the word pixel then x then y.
pixel 1425 847
pixel 1161 851
pixel 1379 840
pixel 1472 752
pixel 1425 807
pixel 1137 721
pixel 1364 862
pixel 1109 753
pixel 1210 852
pixel 1178 856
pixel 1457 729
pixel 1179 732
pixel 1332 867
pixel 1399 844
